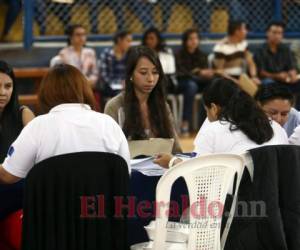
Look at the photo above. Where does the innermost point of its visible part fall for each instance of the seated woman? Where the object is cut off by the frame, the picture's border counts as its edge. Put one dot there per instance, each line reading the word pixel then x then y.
pixel 193 74
pixel 70 125
pixel 153 40
pixel 78 55
pixel 237 123
pixel 13 118
pixel 142 110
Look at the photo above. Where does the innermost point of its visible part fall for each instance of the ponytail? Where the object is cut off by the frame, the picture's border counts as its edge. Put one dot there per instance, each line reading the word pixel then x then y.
pixel 238 108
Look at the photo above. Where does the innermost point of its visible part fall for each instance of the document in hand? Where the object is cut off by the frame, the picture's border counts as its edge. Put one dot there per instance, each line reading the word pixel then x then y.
pixel 150 147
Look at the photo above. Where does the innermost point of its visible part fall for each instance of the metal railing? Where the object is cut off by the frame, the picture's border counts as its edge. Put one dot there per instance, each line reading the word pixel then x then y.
pixel 47 20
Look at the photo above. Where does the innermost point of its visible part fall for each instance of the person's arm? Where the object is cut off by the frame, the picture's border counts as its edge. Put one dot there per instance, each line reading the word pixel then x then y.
pixel 27 116
pixel 280 76
pixel 252 67
pixel 164 160
pixel 6 177
pixel 21 155
pixel 295 137
pixel 293 76
pixel 112 109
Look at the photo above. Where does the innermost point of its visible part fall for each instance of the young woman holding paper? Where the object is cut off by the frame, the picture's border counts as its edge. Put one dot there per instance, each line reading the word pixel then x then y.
pixel 142 110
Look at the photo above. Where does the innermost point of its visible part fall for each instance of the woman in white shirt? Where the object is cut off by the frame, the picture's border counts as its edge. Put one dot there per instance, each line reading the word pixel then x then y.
pixel 237 123
pixel 69 125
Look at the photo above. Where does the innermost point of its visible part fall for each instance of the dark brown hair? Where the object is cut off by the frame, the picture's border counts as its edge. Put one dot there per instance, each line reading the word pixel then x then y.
pixel 158 112
pixel 65 84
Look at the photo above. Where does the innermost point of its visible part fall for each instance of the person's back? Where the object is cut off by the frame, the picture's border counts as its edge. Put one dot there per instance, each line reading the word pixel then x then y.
pixel 218 138
pixel 74 128
pixel 68 126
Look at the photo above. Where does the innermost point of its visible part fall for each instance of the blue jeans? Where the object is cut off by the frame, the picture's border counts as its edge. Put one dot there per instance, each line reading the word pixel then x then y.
pixel 189 88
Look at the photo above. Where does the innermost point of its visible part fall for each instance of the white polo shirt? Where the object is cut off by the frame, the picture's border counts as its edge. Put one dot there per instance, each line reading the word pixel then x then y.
pixel 216 137
pixel 67 128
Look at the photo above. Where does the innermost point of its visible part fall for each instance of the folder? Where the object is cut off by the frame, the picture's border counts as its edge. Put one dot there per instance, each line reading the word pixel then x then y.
pixel 150 147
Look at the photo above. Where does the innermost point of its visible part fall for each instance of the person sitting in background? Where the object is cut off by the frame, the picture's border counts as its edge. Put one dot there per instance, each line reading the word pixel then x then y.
pixel 13 118
pixel 113 63
pixel 79 56
pixel 142 110
pixel 193 73
pixel 237 123
pixel 277 102
pixel 153 39
pixel 231 55
pixel 69 125
pixel 275 61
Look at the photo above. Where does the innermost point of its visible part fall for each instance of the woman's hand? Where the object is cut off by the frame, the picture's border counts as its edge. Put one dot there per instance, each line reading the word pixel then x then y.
pixel 163 160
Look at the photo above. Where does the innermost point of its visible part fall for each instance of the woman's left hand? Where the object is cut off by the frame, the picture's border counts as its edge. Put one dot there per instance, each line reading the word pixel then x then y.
pixel 163 160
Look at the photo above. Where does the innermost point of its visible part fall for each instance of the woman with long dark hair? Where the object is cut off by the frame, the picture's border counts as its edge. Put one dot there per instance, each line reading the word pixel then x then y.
pixel 13 118
pixel 142 110
pixel 237 123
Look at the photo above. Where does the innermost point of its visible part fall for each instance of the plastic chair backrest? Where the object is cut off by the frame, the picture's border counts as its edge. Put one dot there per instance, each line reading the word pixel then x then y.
pixel 208 179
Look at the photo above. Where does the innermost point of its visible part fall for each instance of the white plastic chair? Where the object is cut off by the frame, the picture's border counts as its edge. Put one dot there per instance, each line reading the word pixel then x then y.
pixel 207 177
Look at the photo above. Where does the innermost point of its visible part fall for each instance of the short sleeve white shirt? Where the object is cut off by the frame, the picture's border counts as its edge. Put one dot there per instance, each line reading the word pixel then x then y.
pixel 67 128
pixel 216 137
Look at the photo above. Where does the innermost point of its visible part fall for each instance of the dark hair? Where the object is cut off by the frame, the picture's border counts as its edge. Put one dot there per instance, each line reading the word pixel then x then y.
pixel 158 112
pixel 65 84
pixel 270 92
pixel 70 31
pixel 235 25
pixel 120 35
pixel 238 108
pixel 186 36
pixel 276 23
pixel 11 117
pixel 160 41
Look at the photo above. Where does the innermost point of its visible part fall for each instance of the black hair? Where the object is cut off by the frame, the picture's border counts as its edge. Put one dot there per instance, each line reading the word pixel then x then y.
pixel 10 118
pixel 70 31
pixel 158 112
pixel 161 46
pixel 238 108
pixel 234 25
pixel 186 35
pixel 270 92
pixel 276 23
pixel 120 35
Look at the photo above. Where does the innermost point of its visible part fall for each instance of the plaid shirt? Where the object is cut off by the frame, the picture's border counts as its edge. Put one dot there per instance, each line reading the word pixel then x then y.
pixel 112 70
